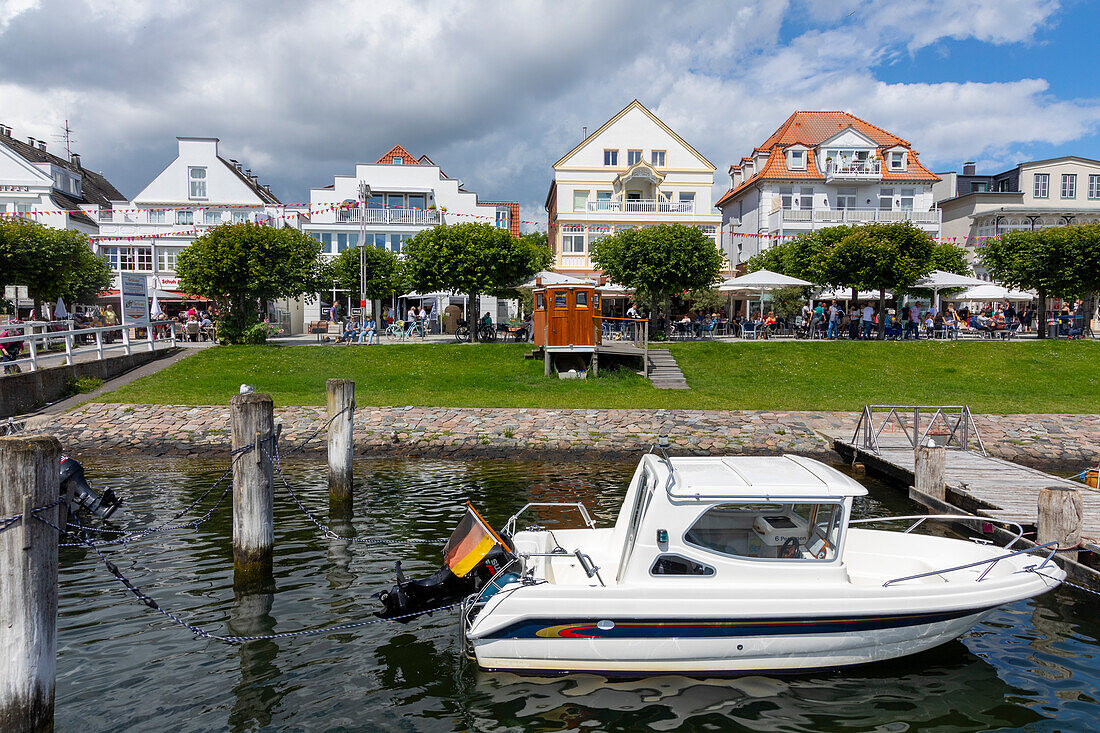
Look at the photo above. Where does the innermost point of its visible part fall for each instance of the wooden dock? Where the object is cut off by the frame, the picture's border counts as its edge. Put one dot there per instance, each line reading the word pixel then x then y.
pixel 977 483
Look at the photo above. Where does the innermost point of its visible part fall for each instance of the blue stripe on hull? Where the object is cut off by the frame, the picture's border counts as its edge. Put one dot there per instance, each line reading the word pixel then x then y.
pixel 636 628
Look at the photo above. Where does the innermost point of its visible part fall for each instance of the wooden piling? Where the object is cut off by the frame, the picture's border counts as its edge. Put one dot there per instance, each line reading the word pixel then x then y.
pixel 340 398
pixel 930 461
pixel 253 503
pixel 29 479
pixel 1059 518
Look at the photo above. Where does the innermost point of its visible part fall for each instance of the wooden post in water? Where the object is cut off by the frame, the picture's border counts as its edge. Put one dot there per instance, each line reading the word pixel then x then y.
pixel 1060 513
pixel 29 479
pixel 253 503
pixel 340 398
pixel 928 470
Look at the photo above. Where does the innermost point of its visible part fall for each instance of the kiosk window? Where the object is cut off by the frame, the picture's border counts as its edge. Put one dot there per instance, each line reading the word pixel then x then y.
pixel 559 299
pixel 540 301
pixel 582 299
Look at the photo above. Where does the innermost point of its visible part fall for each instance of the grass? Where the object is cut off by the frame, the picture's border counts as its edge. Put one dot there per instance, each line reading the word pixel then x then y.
pixel 991 377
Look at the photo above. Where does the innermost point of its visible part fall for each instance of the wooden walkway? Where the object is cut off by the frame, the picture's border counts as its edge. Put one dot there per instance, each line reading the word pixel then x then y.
pixel 982 485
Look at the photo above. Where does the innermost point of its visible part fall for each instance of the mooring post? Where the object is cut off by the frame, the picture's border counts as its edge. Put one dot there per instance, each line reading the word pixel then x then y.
pixel 929 464
pixel 340 398
pixel 1060 513
pixel 29 479
pixel 253 473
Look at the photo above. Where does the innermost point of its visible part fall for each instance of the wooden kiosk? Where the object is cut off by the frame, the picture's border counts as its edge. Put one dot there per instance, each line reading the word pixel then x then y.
pixel 567 326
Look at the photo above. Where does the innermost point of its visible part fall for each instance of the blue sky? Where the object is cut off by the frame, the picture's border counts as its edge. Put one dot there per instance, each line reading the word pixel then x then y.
pixel 496 91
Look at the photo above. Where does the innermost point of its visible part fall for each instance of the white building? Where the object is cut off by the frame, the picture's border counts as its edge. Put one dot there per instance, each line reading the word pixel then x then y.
pixel 1033 195
pixel 196 191
pixel 634 171
pixel 52 190
pixel 821 169
pixel 406 195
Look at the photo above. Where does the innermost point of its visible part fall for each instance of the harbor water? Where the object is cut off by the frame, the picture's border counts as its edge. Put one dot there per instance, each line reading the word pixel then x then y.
pixel 123 667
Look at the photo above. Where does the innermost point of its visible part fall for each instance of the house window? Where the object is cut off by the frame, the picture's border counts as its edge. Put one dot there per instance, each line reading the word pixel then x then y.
pixel 326 242
pixel 846 198
pixel 798 160
pixel 197 177
pixel 806 198
pixel 398 160
pixel 379 241
pixel 395 242
pixel 502 219
pixel 341 242
pixel 130 259
pixel 580 200
pixel 687 200
pixel 1069 186
pixel 907 199
pixel 1042 185
pixel 979 186
pixel 240 217
pixel 603 201
pixel 657 158
pixel 166 260
pixel 156 216
pixel 416 201
pixel 395 201
pixel 610 157
pixel 1094 187
pixel 785 197
pixel 897 161
pixel 185 216
pixel 212 217
pixel 572 243
pixel 633 156
pixel 886 199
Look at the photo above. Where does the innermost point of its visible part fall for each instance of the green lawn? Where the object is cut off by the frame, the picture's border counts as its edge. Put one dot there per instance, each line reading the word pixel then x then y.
pixel 990 377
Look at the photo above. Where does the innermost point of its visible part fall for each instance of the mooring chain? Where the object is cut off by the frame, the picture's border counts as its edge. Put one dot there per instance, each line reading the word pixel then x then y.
pixel 327 531
pixel 202 633
pixel 302 444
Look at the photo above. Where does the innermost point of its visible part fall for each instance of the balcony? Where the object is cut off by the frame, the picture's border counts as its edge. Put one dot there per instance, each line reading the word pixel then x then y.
pixel 856 170
pixel 642 206
pixel 421 217
pixel 818 218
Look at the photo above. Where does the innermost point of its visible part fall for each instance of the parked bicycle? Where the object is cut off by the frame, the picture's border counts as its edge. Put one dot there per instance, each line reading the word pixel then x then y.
pixel 401 330
pixel 484 332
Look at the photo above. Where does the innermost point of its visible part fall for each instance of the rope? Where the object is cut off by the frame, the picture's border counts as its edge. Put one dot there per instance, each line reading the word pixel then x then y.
pixel 13 519
pixel 1064 582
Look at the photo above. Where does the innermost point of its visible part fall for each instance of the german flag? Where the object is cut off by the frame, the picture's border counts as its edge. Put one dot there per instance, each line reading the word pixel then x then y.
pixel 471 541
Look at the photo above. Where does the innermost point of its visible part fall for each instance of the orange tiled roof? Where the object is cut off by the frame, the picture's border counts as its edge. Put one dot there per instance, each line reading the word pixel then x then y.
pixel 810 129
pixel 398 151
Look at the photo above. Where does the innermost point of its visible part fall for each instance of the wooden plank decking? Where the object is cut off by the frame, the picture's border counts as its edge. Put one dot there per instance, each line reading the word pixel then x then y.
pixel 980 484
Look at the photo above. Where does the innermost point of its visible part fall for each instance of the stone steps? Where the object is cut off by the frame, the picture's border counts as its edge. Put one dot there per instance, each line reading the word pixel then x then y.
pixel 664 372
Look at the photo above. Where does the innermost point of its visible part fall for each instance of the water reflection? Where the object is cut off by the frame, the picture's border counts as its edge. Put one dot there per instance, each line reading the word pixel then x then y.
pixel 119 666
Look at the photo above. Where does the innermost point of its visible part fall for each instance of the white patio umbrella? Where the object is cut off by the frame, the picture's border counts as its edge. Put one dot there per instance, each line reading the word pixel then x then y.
pixel 938 280
pixel 59 311
pixel 847 295
pixel 763 281
pixel 156 310
pixel 992 291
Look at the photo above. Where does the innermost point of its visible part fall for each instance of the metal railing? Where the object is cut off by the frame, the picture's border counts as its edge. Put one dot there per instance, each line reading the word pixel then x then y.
pixel 957 433
pixel 625 330
pixel 376 215
pixel 38 344
pixel 642 206
pixel 510 525
pixel 856 169
pixel 990 562
pixel 856 216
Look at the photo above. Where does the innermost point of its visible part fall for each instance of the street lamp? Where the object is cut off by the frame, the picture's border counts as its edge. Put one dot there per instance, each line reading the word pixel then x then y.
pixel 364 196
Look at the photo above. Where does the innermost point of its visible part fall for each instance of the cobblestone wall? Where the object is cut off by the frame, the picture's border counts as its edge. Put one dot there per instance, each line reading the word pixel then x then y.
pixel 1061 442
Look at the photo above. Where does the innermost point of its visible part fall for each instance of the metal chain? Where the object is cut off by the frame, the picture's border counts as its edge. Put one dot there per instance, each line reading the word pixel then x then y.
pixel 202 633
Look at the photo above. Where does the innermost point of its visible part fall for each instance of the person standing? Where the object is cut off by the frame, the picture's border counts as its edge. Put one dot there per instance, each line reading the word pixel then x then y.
pixel 834 321
pixel 334 312
pixel 868 320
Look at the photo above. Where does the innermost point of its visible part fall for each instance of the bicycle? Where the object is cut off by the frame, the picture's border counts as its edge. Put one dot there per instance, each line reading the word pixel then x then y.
pixel 396 330
pixel 462 331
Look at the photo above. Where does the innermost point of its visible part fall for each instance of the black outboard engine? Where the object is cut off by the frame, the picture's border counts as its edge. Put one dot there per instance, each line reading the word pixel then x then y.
pixel 83 497
pixel 412 598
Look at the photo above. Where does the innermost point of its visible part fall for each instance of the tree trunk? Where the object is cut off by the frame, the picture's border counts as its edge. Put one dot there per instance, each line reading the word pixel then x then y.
pixel 882 313
pixel 475 315
pixel 1041 315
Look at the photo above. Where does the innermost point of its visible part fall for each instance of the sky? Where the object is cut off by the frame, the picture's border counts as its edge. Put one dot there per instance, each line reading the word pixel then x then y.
pixel 495 92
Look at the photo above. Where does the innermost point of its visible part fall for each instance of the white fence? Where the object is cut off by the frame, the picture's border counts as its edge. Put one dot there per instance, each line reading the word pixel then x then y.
pixel 37 346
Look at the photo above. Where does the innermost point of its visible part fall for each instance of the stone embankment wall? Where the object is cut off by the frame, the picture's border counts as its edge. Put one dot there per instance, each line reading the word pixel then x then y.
pixel 1060 442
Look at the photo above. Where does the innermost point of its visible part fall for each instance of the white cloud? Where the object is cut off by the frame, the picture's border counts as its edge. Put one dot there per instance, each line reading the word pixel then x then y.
pixel 495 92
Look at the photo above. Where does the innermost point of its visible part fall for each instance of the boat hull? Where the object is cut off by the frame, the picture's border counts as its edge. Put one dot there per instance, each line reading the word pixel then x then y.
pixel 727 646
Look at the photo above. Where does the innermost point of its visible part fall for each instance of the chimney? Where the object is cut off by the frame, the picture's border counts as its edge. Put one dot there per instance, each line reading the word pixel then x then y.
pixel 75 160
pixel 235 163
pixel 5 131
pixel 42 145
pixel 970 168
pixel 30 141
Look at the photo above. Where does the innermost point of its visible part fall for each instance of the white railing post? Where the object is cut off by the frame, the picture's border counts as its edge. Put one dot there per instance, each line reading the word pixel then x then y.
pixel 69 348
pixel 151 337
pixel 172 330
pixel 126 340
pixel 33 343
pixel 99 344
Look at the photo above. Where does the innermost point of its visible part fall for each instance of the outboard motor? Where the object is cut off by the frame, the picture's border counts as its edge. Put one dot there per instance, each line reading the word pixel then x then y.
pixel 471 557
pixel 83 496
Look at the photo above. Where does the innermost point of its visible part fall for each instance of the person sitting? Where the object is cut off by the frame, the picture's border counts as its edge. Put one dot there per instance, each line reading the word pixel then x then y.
pixel 349 332
pixel 929 325
pixel 893 326
pixel 9 350
pixel 770 323
pixel 368 331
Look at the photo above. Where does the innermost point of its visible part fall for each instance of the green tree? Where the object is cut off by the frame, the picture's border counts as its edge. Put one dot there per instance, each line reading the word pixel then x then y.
pixel 51 263
pixel 951 258
pixel 243 266
pixel 659 260
pixel 787 302
pixel 706 299
pixel 803 256
pixel 877 257
pixel 467 258
pixel 1057 262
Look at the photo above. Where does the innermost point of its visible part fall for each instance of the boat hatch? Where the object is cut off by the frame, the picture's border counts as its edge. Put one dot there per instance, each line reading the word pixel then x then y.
pixel 768 530
pixel 769 477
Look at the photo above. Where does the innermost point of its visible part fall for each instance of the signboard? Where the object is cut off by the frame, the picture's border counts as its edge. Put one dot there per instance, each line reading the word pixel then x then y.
pixel 167 283
pixel 15 293
pixel 356 312
pixel 135 298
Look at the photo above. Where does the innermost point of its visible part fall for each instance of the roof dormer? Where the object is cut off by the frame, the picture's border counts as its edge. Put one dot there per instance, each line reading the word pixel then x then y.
pixel 796 157
pixel 897 159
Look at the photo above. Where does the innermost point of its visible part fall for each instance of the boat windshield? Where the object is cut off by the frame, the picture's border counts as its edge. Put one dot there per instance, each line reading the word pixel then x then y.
pixel 769 531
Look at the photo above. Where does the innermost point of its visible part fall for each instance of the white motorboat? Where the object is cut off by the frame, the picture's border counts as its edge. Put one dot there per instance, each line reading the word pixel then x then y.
pixel 734 565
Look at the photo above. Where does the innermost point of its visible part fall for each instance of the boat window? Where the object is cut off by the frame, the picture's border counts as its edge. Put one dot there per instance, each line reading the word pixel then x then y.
pixel 679 565
pixel 770 531
pixel 635 517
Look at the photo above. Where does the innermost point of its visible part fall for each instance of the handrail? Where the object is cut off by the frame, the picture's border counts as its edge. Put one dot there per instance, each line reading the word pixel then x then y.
pixel 34 340
pixel 921 518
pixel 510 525
pixel 1053 546
pixel 959 432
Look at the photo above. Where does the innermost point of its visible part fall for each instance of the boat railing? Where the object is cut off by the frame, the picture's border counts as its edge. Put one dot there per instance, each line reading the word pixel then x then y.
pixel 510 525
pixel 1052 547
pixel 922 518
pixel 954 426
